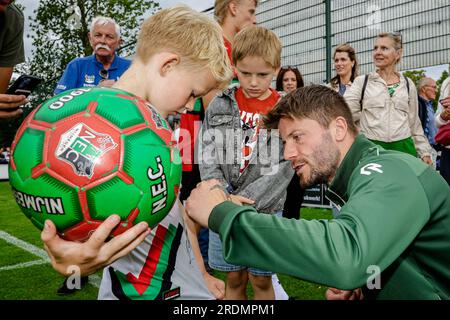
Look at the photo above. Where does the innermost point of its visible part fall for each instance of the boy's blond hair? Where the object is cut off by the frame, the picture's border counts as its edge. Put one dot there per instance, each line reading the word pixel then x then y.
pixel 257 41
pixel 195 37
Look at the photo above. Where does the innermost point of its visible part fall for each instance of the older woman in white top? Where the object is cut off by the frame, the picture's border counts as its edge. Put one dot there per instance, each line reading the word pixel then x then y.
pixel 387 110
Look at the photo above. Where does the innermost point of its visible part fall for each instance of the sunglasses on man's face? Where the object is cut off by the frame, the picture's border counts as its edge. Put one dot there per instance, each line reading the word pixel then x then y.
pixel 104 74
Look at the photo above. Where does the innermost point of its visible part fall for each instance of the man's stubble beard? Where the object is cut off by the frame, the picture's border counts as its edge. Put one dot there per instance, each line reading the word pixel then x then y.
pixel 325 161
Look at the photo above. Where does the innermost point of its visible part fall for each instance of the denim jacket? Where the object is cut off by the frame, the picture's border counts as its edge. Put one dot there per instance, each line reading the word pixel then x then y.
pixel 266 177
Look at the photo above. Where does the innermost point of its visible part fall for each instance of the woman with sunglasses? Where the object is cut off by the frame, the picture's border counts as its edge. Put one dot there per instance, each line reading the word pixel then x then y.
pixel 384 103
pixel 289 78
pixel 346 67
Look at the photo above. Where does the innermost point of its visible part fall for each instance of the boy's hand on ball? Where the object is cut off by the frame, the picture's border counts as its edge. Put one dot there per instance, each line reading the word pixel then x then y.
pixel 95 253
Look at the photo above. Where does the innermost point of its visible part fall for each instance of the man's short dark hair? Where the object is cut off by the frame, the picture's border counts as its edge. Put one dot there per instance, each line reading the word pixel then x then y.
pixel 315 102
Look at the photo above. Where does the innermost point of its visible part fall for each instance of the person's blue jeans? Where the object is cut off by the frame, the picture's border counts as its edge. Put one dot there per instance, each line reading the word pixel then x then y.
pixel 203 240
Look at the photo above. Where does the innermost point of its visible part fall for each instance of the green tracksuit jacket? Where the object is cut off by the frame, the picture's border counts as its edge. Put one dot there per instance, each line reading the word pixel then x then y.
pixel 395 216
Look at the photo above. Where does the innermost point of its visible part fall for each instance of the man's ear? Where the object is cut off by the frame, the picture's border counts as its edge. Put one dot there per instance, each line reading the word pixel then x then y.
pixel 233 7
pixel 168 62
pixel 340 128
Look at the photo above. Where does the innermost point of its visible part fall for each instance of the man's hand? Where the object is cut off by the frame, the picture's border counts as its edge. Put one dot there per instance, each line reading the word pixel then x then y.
pixel 427 160
pixel 203 199
pixel 206 197
pixel 445 114
pixel 9 105
pixel 445 102
pixel 106 83
pixel 95 253
pixel 337 294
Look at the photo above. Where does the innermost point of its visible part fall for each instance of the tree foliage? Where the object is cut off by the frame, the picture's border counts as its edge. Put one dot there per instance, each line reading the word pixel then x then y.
pixel 415 75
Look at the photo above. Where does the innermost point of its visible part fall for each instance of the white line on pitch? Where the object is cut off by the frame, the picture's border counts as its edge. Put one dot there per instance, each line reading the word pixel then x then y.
pixel 24 245
pixel 93 279
pixel 23 265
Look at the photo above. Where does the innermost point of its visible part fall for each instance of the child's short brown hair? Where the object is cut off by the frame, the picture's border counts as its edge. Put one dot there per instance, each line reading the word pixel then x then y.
pixel 195 37
pixel 257 41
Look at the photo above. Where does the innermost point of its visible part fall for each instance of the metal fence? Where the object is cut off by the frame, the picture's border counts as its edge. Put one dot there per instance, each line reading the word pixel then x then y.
pixel 302 27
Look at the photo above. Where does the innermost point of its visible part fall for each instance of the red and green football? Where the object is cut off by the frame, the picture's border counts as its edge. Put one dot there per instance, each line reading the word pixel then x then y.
pixel 91 152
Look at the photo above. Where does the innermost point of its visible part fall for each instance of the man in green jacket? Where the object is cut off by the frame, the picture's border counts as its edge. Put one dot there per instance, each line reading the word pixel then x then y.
pixel 392 237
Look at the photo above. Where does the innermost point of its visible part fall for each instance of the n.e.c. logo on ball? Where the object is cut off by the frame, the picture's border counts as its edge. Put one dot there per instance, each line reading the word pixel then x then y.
pixel 82 148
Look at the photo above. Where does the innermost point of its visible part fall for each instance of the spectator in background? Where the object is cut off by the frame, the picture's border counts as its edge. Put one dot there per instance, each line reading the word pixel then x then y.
pixel 384 103
pixel 233 16
pixel 289 78
pixel 346 66
pixel 11 53
pixel 104 66
pixel 427 93
pixel 443 118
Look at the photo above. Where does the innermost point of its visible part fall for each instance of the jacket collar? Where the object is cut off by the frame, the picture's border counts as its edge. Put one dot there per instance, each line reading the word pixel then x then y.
pixel 423 100
pixel 229 92
pixel 361 147
pixel 375 76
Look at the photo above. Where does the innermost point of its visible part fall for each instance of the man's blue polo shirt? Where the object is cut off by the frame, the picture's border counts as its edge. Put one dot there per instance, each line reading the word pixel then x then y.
pixel 85 72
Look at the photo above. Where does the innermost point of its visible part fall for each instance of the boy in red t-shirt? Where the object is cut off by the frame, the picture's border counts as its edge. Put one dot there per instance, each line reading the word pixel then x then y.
pixel 233 149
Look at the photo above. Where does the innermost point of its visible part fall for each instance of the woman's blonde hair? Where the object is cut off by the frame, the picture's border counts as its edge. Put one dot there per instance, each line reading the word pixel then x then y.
pixel 195 37
pixel 257 41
